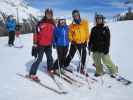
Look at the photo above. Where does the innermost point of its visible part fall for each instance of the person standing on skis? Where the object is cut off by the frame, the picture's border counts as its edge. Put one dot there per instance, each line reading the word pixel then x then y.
pixel 99 44
pixel 78 36
pixel 11 25
pixel 45 29
pixel 61 42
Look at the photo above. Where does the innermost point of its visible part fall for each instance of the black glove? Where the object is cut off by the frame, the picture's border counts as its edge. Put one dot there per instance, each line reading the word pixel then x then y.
pixel 73 42
pixel 34 51
pixel 106 51
pixel 85 44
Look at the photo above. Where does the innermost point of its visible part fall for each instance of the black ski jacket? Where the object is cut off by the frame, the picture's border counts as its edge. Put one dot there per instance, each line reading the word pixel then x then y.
pixel 99 39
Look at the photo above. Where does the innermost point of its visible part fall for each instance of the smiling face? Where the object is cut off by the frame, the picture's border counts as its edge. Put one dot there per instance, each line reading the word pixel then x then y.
pixel 49 15
pixel 99 21
pixel 62 22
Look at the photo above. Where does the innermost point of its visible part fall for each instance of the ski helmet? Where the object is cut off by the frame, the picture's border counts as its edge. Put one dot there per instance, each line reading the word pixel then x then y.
pixel 75 12
pixel 99 16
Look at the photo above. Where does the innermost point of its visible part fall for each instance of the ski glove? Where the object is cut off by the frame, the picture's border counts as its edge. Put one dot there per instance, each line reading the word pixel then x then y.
pixel 34 51
pixel 85 44
pixel 106 51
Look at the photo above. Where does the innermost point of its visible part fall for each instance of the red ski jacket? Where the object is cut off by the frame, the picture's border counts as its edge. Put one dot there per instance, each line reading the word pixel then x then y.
pixel 45 31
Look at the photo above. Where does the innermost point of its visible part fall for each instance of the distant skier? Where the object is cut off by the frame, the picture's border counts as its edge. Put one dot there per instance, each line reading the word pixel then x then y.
pixel 78 36
pixel 44 43
pixel 99 44
pixel 11 25
pixel 61 42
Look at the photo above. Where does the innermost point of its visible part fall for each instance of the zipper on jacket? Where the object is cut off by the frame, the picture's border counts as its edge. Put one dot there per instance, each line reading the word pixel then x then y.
pixel 79 33
pixel 64 35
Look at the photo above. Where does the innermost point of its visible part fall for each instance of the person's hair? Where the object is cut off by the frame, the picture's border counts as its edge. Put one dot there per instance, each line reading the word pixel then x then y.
pixel 48 10
pixel 9 16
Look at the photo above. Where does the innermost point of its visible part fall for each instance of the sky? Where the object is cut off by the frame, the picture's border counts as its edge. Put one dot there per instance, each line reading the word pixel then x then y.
pixel 87 8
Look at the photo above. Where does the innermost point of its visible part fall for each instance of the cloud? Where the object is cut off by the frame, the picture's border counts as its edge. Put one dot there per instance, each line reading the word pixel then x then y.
pixel 86 7
pixel 118 4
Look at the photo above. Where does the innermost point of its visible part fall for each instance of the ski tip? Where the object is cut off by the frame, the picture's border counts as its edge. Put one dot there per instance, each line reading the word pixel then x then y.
pixel 128 83
pixel 109 86
pixel 64 92
pixel 19 46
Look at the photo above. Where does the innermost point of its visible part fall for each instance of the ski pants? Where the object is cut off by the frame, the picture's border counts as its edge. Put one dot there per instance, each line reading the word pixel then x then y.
pixel 81 50
pixel 61 54
pixel 41 50
pixel 11 37
pixel 100 59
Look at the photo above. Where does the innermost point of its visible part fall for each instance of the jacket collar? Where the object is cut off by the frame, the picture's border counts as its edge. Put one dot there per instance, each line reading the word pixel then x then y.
pixel 73 22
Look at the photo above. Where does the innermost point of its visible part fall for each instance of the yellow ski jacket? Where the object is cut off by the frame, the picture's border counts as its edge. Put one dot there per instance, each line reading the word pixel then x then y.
pixel 79 33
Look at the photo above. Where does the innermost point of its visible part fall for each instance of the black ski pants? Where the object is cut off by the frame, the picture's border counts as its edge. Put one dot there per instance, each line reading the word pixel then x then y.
pixel 41 50
pixel 61 54
pixel 81 50
pixel 11 37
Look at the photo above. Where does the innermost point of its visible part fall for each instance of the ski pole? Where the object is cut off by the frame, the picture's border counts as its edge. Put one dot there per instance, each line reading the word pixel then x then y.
pixel 80 57
pixel 59 68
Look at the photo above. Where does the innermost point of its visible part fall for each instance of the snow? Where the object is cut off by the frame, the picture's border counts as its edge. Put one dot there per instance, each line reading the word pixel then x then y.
pixel 16 60
pixel 24 10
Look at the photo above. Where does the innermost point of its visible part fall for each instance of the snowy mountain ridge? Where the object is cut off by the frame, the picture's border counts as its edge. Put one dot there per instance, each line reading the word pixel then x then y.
pixel 24 10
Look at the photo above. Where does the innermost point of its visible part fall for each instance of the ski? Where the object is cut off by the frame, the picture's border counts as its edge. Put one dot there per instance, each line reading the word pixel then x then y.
pixel 58 84
pixel 83 77
pixel 43 85
pixel 73 79
pixel 21 46
pixel 123 80
pixel 78 80
pixel 118 78
pixel 68 80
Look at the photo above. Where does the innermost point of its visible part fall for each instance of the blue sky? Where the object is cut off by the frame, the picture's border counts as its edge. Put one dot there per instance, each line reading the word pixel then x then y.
pixel 108 8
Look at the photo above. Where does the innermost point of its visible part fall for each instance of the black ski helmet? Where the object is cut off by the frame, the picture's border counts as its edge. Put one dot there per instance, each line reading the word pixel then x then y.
pixel 75 11
pixel 49 10
pixel 99 16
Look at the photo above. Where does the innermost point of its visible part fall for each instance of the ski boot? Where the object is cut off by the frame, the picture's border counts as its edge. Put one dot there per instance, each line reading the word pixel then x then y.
pixel 33 77
pixel 99 74
pixel 51 72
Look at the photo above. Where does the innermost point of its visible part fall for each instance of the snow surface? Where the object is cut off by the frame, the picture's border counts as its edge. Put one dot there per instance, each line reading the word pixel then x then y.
pixel 16 60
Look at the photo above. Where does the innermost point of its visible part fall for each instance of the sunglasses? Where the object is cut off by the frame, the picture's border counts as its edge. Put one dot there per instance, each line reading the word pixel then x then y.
pixel 62 21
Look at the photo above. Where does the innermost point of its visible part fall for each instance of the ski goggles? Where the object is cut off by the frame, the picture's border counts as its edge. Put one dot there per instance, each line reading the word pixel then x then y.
pixel 76 14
